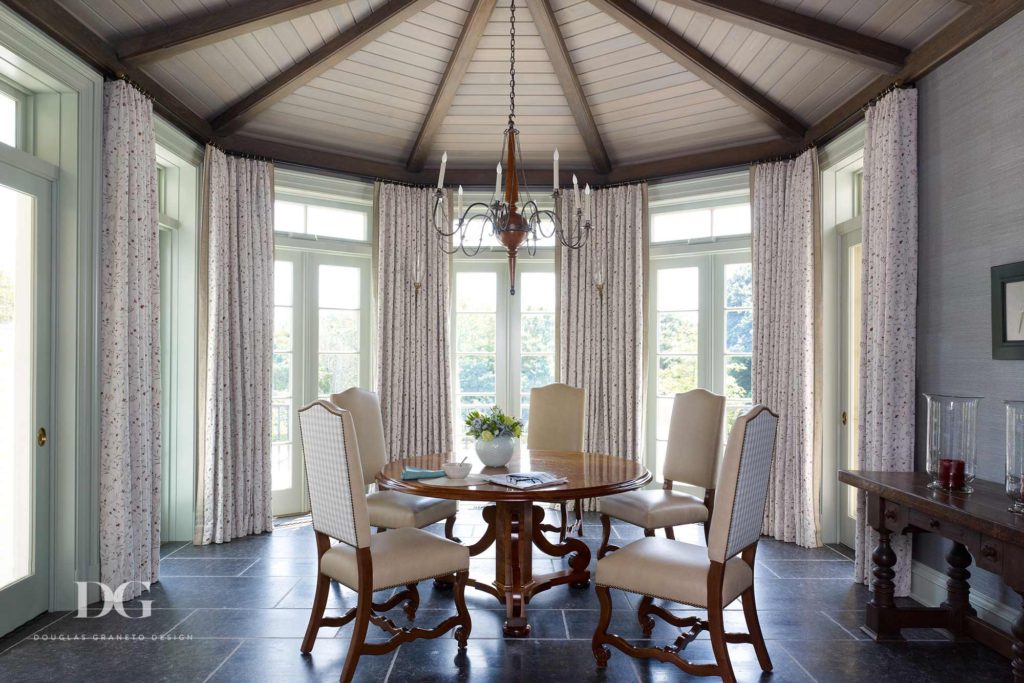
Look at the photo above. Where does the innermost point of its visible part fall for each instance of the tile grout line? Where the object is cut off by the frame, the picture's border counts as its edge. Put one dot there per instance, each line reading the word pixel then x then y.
pixel 286 593
pixel 183 545
pixel 782 644
pixel 194 610
pixel 34 633
pixel 767 569
pixel 391 666
pixel 848 631
pixel 565 623
pixel 242 573
pixel 225 661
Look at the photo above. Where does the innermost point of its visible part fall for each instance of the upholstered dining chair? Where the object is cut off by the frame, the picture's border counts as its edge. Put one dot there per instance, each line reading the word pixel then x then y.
pixel 556 424
pixel 707 578
pixel 691 457
pixel 362 561
pixel 389 509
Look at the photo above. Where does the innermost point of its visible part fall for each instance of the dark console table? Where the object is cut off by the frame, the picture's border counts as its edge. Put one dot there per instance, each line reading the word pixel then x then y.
pixel 979 526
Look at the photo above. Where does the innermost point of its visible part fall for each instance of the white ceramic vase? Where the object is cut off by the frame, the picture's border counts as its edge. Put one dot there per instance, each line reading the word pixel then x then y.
pixel 496 452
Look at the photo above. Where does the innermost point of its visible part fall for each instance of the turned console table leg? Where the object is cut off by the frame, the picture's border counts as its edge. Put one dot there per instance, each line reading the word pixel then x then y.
pixel 1018 644
pixel 958 590
pixel 882 606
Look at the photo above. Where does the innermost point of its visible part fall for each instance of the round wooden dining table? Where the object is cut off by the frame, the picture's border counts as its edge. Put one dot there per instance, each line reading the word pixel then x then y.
pixel 514 520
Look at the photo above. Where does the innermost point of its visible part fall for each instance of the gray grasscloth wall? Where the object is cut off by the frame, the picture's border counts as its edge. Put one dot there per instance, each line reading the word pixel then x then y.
pixel 971 152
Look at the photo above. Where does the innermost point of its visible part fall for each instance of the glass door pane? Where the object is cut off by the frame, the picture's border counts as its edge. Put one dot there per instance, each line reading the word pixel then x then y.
pixel 24 396
pixel 476 346
pixel 536 298
pixel 851 321
pixel 738 338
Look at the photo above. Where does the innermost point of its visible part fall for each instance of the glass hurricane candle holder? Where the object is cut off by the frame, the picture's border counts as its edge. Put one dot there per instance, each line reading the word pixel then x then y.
pixel 951 439
pixel 1015 455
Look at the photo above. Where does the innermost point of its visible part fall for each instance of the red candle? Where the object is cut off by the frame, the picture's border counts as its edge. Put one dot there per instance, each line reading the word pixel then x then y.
pixel 951 473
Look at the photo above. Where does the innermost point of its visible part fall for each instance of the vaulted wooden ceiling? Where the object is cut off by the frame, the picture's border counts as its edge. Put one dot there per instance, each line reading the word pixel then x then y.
pixel 623 88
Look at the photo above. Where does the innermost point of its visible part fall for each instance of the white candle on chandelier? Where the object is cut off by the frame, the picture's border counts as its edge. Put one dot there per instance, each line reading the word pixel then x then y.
pixel 556 169
pixel 576 191
pixel 440 176
pixel 418 276
pixel 497 183
pixel 458 211
pixel 586 212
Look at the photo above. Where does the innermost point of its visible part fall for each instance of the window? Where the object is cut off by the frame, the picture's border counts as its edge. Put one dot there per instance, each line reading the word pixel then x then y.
pixel 701 330
pixel 8 120
pixel 322 310
pixel 502 345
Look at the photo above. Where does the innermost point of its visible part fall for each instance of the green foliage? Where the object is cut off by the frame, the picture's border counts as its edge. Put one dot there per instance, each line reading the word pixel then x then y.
pixel 282 374
pixel 538 333
pixel 476 374
pixel 737 376
pixel 476 332
pixel 676 375
pixel 489 424
pixel 536 372
pixel 739 331
pixel 677 333
pixel 739 286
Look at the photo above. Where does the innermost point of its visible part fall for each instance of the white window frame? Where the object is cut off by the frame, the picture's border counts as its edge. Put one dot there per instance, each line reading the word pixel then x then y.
pixel 710 259
pixel 24 113
pixel 307 253
pixel 508 365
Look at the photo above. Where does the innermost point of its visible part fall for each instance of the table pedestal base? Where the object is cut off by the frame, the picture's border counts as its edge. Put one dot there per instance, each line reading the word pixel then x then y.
pixel 515 529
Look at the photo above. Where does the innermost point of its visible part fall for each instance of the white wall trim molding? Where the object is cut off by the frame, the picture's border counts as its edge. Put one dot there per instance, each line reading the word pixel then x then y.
pixel 69 103
pixel 928 587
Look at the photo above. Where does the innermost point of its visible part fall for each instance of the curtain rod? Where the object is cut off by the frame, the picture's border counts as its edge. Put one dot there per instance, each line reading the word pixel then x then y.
pixel 895 85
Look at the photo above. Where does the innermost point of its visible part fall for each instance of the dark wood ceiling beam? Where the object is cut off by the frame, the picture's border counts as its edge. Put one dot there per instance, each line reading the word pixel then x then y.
pixel 207 28
pixel 686 54
pixel 957 35
pixel 799 28
pixel 67 30
pixel 458 64
pixel 338 49
pixel 561 62
pixel 538 176
pixel 705 161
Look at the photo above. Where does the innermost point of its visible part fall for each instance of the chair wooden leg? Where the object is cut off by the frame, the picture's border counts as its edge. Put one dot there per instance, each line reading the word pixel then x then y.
pixel 643 616
pixel 754 629
pixel 606 532
pixel 355 646
pixel 670 533
pixel 648 532
pixel 381 529
pixel 563 509
pixel 413 603
pixel 449 529
pixel 465 621
pixel 601 653
pixel 716 625
pixel 579 518
pixel 323 586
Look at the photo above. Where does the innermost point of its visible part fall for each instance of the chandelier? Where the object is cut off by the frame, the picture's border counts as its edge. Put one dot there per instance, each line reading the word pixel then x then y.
pixel 512 222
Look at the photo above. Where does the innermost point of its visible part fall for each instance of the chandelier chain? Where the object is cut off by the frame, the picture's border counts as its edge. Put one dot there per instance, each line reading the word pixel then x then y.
pixel 512 66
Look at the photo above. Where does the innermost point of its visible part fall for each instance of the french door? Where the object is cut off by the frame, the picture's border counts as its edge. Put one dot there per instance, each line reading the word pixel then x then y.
pixel 25 361
pixel 321 346
pixel 850 380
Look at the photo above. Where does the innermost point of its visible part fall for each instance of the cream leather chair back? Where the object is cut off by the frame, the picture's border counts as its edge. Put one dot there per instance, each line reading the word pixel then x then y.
pixel 556 418
pixel 335 496
pixel 695 438
pixel 743 484
pixel 365 408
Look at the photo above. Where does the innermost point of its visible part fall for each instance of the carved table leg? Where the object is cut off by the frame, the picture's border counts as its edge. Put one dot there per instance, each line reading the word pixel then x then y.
pixel 882 607
pixel 958 590
pixel 1018 644
pixel 514 563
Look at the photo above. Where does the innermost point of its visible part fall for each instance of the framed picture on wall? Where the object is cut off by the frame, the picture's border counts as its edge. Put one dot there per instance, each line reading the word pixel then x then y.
pixel 1008 311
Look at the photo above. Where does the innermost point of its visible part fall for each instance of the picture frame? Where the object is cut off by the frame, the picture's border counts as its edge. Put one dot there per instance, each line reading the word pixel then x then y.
pixel 1008 311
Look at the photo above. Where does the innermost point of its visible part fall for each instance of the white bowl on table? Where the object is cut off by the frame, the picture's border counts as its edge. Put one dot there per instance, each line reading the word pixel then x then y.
pixel 457 470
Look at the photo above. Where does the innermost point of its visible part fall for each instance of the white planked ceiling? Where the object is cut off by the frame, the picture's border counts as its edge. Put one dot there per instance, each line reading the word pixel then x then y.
pixel 645 105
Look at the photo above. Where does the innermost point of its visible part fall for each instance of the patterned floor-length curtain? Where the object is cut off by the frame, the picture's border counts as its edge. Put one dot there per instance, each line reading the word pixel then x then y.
pixel 129 344
pixel 888 310
pixel 413 377
pixel 602 298
pixel 237 277
pixel 786 272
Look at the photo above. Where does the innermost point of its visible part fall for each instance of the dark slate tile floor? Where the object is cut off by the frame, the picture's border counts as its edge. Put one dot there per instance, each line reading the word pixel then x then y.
pixel 237 612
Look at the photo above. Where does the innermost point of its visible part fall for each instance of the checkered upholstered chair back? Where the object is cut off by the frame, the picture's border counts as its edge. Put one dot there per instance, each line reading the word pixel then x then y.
pixel 743 484
pixel 334 474
pixel 365 408
pixel 694 438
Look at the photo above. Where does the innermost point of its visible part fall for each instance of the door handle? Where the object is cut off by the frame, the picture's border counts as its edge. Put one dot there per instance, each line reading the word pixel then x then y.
pixel 41 437
pixel 843 418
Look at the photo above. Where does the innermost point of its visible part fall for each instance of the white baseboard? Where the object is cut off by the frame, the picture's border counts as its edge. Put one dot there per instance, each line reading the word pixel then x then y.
pixel 928 587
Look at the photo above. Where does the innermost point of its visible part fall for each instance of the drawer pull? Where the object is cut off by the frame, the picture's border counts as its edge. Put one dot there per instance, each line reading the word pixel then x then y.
pixel 988 552
pixel 933 524
pixel 890 515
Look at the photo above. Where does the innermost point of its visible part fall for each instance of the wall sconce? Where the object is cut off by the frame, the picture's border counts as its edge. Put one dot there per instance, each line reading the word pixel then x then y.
pixel 419 273
pixel 599 282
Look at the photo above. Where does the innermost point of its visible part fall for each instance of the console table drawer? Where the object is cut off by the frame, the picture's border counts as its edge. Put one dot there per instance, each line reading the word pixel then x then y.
pixel 950 530
pixel 990 555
